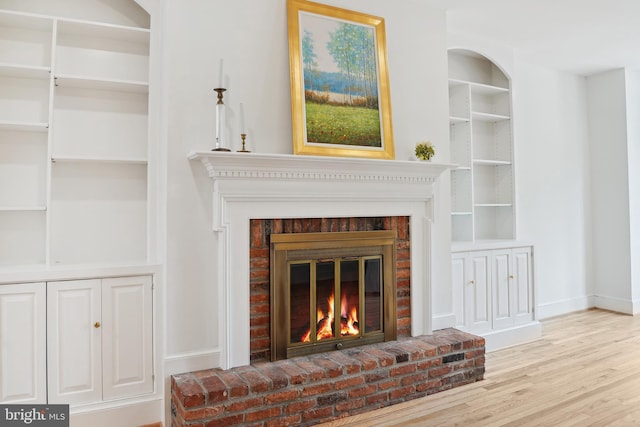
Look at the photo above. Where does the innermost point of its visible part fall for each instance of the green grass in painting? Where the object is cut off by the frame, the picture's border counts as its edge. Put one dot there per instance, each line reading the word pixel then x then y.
pixel 332 124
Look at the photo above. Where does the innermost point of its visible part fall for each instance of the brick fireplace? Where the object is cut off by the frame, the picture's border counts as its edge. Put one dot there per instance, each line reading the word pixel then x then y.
pixel 256 195
pixel 262 229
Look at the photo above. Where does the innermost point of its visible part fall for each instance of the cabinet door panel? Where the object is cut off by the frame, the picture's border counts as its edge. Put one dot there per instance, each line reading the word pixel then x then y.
pixel 479 292
pixel 502 293
pixel 23 344
pixel 74 339
pixel 127 336
pixel 522 285
pixel 458 279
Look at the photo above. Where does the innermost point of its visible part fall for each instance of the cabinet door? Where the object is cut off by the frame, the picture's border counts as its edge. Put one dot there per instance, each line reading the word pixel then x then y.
pixel 127 336
pixel 74 341
pixel 23 344
pixel 477 295
pixel 502 288
pixel 459 279
pixel 522 285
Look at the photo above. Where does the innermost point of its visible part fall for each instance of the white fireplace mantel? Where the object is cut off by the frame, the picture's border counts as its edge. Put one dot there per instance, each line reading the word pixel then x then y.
pixel 248 186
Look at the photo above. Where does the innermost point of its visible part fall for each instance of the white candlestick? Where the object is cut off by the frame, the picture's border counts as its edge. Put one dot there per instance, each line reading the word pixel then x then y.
pixel 242 128
pixel 220 76
pixel 217 125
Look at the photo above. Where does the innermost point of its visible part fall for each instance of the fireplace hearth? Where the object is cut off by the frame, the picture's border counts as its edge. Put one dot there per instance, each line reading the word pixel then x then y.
pixel 331 291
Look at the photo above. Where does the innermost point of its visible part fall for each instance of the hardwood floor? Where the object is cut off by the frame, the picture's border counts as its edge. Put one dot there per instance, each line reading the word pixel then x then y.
pixel 585 371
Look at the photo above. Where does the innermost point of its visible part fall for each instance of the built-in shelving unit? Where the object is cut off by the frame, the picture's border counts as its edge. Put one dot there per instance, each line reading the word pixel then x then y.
pixel 73 138
pixel 481 144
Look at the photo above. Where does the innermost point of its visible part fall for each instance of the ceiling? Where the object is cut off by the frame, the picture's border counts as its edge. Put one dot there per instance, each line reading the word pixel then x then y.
pixel 578 36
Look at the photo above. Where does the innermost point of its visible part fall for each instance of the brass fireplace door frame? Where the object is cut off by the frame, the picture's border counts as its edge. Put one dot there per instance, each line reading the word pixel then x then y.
pixel 291 247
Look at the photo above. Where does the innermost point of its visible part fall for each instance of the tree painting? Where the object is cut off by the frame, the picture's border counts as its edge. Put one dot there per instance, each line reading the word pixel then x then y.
pixel 340 82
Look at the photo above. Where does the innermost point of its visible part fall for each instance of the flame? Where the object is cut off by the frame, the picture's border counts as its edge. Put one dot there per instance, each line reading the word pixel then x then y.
pixel 324 329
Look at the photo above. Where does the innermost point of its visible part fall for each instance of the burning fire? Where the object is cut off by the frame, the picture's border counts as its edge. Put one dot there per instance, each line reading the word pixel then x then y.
pixel 324 329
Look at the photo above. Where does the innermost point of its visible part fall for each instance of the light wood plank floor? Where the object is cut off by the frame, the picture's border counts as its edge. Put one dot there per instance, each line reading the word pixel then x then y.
pixel 585 371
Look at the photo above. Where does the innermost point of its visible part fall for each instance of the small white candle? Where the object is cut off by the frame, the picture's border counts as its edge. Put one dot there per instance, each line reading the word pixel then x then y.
pixel 242 128
pixel 220 76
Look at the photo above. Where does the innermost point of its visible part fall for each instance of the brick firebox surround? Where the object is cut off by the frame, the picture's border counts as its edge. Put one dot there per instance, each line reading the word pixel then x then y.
pixel 261 229
pixel 308 390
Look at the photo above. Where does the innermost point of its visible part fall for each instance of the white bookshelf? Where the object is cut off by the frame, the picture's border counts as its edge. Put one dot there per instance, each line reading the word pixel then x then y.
pixel 481 144
pixel 73 136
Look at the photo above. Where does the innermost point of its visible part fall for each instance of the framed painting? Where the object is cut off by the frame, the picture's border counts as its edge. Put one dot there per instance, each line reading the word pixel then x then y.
pixel 340 101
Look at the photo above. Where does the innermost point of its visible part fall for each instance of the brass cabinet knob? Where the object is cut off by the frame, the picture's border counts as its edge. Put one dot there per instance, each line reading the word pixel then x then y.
pixel 472 282
pixel 511 276
pixel 96 325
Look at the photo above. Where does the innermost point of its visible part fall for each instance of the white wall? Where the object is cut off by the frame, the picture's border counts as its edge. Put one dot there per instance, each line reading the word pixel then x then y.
pixel 552 186
pixel 251 36
pixel 633 150
pixel 610 190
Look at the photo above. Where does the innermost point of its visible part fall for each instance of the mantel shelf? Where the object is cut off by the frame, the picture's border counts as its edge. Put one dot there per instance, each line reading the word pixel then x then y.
pixel 229 165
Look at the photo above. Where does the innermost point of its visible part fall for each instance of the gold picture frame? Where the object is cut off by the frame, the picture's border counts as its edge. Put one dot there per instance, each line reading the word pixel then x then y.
pixel 340 97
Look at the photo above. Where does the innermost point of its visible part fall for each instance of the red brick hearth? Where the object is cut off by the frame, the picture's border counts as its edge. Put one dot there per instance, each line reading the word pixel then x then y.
pixel 261 229
pixel 308 390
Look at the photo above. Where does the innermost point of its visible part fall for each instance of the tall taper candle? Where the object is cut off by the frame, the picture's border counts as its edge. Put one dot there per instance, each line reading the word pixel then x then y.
pixel 220 76
pixel 242 128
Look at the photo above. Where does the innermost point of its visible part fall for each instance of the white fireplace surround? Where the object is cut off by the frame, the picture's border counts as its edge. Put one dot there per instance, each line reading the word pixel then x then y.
pixel 263 186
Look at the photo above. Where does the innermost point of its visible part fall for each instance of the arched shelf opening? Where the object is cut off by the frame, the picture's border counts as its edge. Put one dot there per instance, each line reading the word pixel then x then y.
pixel 480 132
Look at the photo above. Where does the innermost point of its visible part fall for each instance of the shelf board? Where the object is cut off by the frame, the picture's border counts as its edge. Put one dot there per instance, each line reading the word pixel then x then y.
pixel 78 159
pixel 483 89
pixel 24 71
pixel 462 169
pixel 488 117
pixel 22 208
pixel 479 88
pixel 84 82
pixel 493 205
pixel 461 213
pixel 487 162
pixel 454 119
pixel 25 21
pixel 24 126
pixel 102 30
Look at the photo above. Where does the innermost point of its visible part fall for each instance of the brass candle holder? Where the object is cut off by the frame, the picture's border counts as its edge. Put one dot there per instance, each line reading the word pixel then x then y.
pixel 243 149
pixel 220 120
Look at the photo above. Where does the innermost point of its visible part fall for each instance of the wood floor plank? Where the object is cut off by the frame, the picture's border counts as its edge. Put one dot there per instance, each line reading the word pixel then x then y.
pixel 585 371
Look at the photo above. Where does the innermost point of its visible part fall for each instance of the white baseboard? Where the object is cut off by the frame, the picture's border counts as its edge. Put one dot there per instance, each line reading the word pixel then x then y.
pixel 557 308
pixel 619 305
pixel 189 362
pixel 443 321
pixel 499 339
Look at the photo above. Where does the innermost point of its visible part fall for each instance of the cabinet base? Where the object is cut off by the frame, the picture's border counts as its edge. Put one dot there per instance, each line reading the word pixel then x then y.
pixel 133 414
pixel 499 339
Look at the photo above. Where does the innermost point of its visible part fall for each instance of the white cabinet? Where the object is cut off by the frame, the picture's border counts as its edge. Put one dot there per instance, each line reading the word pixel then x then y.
pixel 99 335
pixel 472 275
pixel 127 337
pixel 481 144
pixel 74 186
pixel 496 290
pixel 512 281
pixel 73 339
pixel 23 344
